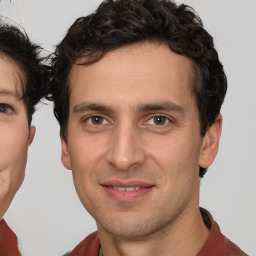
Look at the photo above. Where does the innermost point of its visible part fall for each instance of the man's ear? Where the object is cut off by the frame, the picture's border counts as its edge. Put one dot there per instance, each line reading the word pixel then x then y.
pixel 210 144
pixel 31 135
pixel 65 157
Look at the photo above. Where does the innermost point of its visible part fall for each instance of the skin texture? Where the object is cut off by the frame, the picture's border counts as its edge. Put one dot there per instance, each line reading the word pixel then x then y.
pixel 15 136
pixel 134 123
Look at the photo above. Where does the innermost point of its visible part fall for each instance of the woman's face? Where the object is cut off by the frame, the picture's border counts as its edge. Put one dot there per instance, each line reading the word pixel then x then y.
pixel 15 133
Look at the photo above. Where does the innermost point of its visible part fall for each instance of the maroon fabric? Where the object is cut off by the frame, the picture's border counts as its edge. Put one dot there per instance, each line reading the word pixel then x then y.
pixel 8 241
pixel 88 247
pixel 216 245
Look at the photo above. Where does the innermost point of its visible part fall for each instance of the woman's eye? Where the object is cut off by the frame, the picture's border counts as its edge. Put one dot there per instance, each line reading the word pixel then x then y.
pixel 158 120
pixel 6 109
pixel 96 120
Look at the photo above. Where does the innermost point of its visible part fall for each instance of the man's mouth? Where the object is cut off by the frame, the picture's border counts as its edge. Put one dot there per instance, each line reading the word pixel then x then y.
pixel 126 191
pixel 127 188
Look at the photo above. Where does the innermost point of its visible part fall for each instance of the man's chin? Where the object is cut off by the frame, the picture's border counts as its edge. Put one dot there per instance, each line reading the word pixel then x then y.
pixel 129 228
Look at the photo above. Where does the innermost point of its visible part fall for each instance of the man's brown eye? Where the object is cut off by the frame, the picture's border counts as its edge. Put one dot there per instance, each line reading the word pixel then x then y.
pixel 97 120
pixel 160 120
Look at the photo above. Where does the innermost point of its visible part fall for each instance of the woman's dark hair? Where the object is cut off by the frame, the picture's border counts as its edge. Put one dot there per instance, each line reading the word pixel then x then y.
pixel 16 45
pixel 123 22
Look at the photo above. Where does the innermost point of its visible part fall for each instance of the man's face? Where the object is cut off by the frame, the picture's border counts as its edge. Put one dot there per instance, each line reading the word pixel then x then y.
pixel 15 135
pixel 134 141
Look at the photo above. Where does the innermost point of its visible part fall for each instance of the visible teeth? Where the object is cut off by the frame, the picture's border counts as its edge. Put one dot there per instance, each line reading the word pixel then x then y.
pixel 119 188
pixel 126 188
pixel 131 188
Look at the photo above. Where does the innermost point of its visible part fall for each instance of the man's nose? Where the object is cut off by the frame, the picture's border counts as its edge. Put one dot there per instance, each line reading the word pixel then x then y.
pixel 125 148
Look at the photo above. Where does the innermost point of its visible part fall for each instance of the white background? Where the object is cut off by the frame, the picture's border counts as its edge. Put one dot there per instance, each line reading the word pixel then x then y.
pixel 46 213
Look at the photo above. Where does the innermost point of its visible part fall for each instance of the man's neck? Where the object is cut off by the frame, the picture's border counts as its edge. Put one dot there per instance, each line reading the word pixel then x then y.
pixel 185 238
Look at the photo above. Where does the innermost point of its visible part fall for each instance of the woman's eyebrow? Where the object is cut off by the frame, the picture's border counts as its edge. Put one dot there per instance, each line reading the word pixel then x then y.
pixel 9 92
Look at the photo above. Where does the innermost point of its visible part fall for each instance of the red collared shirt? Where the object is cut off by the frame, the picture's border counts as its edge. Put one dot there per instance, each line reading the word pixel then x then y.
pixel 8 241
pixel 216 244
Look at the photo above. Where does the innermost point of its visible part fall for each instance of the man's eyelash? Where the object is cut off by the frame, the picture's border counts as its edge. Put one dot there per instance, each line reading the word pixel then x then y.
pixel 158 117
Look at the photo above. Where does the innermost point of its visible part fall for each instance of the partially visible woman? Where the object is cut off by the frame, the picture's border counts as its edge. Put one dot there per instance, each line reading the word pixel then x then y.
pixel 22 83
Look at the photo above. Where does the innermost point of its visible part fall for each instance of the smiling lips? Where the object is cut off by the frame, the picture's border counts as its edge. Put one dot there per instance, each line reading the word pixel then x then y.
pixel 127 188
pixel 126 192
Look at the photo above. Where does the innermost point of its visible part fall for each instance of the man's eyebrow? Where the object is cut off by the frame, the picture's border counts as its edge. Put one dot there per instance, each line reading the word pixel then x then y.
pixel 158 106
pixel 8 92
pixel 84 106
pixel 163 106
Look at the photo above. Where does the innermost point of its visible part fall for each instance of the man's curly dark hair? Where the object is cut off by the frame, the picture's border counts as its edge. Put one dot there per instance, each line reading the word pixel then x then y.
pixel 15 44
pixel 122 22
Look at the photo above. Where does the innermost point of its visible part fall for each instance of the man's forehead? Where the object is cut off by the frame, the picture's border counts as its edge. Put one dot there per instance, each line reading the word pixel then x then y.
pixel 136 58
pixel 141 73
pixel 145 46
